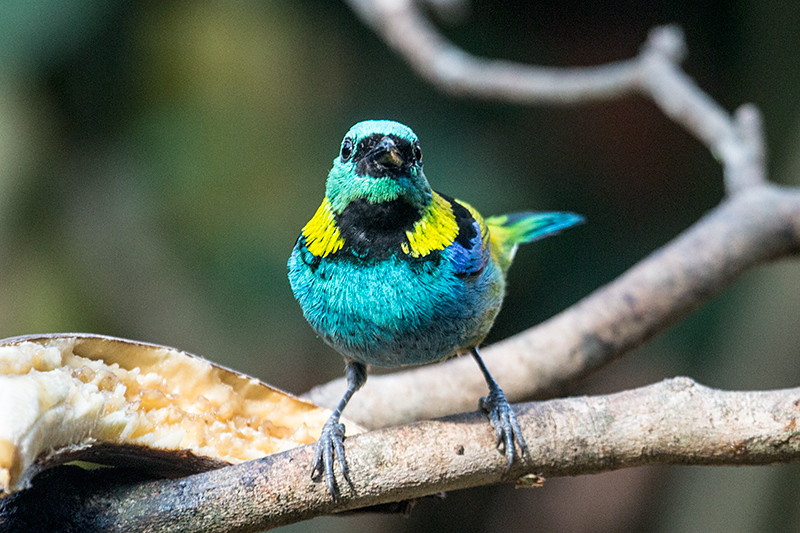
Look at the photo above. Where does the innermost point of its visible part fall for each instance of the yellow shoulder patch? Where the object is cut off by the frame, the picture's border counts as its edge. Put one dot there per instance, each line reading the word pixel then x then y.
pixel 436 230
pixel 322 235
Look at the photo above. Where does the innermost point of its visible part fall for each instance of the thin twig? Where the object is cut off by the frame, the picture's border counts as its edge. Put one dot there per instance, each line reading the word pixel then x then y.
pixel 403 27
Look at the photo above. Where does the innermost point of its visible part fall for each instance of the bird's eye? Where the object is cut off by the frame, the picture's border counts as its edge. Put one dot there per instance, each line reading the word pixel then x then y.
pixel 417 153
pixel 347 149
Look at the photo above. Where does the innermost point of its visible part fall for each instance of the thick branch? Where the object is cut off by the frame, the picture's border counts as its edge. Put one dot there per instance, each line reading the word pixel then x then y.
pixel 752 227
pixel 672 422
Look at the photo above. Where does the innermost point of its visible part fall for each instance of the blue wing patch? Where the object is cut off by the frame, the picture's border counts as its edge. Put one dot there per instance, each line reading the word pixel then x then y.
pixel 470 259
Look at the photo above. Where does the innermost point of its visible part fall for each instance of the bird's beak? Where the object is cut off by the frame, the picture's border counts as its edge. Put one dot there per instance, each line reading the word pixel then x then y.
pixel 386 153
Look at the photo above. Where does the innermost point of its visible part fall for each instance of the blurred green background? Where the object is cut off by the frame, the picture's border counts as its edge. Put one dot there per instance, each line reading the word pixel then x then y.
pixel 158 159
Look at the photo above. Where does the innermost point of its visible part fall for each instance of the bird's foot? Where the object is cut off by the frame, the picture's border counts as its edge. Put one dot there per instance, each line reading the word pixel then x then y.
pixel 506 427
pixel 330 447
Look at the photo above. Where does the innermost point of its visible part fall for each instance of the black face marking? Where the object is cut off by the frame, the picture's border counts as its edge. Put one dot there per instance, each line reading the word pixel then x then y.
pixel 367 152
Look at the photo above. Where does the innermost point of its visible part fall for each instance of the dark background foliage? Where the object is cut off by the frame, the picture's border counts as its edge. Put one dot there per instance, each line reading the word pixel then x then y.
pixel 158 159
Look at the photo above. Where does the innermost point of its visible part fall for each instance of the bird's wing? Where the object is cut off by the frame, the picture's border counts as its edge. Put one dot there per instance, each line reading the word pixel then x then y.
pixel 469 251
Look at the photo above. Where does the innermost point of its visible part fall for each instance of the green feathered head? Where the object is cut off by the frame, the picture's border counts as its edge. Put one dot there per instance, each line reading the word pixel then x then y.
pixel 379 161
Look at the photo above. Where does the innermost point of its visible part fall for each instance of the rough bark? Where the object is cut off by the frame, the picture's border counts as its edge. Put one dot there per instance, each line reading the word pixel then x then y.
pixel 672 422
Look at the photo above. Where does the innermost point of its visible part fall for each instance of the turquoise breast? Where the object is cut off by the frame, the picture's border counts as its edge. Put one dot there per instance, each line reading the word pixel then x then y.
pixel 395 312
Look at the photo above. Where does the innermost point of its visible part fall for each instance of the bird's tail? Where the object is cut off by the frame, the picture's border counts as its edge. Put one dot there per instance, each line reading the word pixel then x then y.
pixel 509 231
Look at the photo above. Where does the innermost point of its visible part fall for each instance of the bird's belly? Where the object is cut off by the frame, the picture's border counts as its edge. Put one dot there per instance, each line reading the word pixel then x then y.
pixel 394 313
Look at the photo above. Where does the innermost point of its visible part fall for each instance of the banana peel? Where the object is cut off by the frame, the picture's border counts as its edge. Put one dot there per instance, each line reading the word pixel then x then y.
pixel 102 400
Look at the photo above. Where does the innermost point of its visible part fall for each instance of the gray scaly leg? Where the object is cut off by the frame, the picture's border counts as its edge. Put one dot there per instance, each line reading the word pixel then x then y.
pixel 501 415
pixel 331 441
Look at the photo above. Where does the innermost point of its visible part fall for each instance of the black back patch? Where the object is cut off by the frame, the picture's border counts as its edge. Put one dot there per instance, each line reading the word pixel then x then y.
pixel 465 221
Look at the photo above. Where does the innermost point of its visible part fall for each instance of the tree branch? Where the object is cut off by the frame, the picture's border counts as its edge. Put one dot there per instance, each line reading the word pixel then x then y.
pixel 402 26
pixel 672 422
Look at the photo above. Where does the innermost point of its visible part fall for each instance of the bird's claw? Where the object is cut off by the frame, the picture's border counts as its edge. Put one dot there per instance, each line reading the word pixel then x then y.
pixel 330 446
pixel 506 427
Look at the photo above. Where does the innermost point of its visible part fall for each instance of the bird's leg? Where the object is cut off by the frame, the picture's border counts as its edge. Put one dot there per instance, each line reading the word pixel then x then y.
pixel 501 415
pixel 331 440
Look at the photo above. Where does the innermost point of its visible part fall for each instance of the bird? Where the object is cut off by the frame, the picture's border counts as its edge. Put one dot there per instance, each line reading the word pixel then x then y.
pixel 391 273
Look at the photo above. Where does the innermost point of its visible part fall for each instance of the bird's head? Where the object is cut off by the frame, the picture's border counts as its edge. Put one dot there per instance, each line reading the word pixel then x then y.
pixel 379 161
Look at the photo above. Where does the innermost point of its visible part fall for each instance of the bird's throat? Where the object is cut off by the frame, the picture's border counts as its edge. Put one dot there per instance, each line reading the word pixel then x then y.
pixel 376 228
